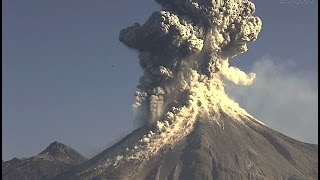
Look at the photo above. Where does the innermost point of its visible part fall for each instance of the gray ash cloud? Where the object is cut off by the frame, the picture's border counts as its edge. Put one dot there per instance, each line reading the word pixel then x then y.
pixel 193 35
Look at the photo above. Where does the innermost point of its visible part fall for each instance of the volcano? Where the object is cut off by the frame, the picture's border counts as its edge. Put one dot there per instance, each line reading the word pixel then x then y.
pixel 190 128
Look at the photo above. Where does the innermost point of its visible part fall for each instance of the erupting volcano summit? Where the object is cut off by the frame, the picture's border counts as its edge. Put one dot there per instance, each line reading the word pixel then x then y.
pixel 190 128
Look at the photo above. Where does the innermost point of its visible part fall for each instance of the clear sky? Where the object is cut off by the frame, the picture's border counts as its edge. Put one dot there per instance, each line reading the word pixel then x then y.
pixel 67 78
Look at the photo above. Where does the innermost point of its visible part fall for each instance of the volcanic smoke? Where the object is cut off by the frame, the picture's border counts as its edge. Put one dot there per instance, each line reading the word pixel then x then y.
pixel 190 42
pixel 185 51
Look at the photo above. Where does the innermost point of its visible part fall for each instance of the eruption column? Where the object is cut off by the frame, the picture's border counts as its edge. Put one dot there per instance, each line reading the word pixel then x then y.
pixel 187 37
pixel 185 49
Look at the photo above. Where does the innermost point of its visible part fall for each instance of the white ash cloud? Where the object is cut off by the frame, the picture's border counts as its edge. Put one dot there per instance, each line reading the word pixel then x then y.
pixel 283 96
pixel 235 75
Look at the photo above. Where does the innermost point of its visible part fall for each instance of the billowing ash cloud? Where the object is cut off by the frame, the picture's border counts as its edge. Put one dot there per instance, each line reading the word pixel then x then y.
pixel 184 51
pixel 187 38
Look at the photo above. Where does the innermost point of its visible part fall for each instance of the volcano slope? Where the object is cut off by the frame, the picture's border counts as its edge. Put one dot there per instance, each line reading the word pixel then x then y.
pixel 233 150
pixel 191 129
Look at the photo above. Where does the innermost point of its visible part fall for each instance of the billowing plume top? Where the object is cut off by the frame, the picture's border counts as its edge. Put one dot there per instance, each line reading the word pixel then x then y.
pixel 185 26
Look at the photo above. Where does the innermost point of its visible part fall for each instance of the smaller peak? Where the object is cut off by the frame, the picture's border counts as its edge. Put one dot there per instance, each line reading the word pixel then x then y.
pixel 56 148
pixel 56 144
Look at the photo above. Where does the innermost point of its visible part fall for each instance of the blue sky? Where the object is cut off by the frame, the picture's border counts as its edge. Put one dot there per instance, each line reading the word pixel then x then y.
pixel 66 76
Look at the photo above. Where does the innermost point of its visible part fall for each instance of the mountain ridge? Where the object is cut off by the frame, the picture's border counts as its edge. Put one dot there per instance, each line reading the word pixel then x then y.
pixel 55 159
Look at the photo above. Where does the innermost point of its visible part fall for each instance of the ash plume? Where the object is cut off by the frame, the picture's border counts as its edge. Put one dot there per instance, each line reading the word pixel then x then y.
pixel 186 38
pixel 185 49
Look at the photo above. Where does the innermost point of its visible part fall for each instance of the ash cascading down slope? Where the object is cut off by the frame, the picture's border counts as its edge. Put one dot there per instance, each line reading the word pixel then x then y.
pixel 185 50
